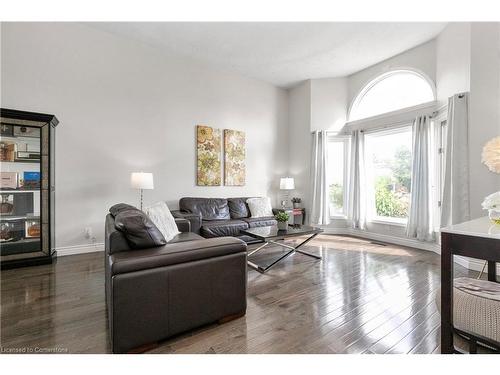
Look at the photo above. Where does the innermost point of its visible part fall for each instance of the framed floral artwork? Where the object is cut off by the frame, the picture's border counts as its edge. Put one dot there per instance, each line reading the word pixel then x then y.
pixel 209 149
pixel 234 158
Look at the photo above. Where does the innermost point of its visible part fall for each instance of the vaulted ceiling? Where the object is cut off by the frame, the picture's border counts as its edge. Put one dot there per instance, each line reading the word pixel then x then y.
pixel 281 53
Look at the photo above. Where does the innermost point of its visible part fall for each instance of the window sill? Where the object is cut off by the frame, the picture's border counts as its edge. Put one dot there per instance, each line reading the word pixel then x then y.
pixel 388 221
pixel 338 217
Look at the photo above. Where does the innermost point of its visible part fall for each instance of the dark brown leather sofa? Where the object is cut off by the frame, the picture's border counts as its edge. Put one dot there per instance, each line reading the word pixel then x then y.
pixel 155 293
pixel 218 217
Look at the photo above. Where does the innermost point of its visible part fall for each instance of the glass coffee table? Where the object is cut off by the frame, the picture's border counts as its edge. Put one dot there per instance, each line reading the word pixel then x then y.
pixel 271 235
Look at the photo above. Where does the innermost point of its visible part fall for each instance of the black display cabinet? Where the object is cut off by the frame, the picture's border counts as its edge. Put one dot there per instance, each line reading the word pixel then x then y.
pixel 27 188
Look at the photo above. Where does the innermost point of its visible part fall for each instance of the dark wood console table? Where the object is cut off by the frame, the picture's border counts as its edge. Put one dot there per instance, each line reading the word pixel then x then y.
pixel 479 239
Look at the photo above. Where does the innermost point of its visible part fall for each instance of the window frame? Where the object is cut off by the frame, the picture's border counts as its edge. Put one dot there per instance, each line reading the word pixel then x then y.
pixel 374 81
pixel 439 129
pixel 371 216
pixel 346 140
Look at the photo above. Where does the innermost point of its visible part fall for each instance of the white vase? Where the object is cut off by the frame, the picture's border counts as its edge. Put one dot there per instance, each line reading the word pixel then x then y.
pixel 282 225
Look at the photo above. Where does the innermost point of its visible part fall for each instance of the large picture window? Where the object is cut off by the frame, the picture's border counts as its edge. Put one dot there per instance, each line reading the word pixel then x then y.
pixel 337 175
pixel 388 174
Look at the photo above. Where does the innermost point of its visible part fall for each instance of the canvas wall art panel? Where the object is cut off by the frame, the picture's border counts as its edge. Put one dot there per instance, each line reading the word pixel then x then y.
pixel 234 158
pixel 209 150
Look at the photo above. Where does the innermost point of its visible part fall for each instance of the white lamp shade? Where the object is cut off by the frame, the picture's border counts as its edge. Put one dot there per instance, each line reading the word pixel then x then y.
pixel 287 183
pixel 141 180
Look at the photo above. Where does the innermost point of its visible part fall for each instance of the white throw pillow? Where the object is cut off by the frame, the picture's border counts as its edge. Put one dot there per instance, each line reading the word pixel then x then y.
pixel 161 216
pixel 260 207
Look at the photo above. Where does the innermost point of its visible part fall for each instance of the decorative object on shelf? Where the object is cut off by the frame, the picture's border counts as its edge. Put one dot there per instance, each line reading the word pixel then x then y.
pixel 29 156
pixel 7 151
pixel 282 219
pixel 6 130
pixel 11 230
pixel 491 155
pixel 5 231
pixel 296 202
pixel 286 184
pixel 208 142
pixel 7 204
pixel 32 227
pixel 26 131
pixel 8 180
pixel 234 158
pixel 31 180
pixel 28 178
pixel 141 181
pixel 492 204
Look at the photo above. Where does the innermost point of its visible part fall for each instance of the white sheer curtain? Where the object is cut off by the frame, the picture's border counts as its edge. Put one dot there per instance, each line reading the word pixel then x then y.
pixel 455 203
pixel 420 224
pixel 356 205
pixel 320 210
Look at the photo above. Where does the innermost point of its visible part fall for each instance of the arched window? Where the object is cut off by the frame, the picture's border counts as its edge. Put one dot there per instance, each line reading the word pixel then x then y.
pixel 392 91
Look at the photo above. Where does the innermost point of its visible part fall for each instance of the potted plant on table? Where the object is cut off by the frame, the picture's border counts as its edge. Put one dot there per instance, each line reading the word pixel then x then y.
pixel 282 219
pixel 296 202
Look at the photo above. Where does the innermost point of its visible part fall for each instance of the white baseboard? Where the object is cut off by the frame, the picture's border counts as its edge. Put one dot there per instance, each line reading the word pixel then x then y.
pixel 473 264
pixel 434 247
pixel 79 249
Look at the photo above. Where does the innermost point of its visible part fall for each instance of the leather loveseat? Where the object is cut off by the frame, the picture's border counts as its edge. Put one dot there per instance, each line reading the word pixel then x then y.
pixel 218 217
pixel 155 293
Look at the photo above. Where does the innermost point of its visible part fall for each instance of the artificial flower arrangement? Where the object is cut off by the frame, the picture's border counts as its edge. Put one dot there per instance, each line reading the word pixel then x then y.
pixel 492 204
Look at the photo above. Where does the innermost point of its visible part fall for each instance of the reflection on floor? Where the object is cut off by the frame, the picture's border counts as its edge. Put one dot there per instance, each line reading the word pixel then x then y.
pixel 361 298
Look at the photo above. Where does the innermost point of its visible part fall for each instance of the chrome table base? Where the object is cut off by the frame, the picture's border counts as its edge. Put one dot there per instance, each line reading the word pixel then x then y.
pixel 292 249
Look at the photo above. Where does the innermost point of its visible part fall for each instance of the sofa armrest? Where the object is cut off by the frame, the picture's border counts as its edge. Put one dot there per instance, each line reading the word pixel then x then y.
pixel 194 219
pixel 175 253
pixel 183 225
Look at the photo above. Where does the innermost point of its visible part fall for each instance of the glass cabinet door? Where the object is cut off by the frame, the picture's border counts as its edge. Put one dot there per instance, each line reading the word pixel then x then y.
pixel 22 153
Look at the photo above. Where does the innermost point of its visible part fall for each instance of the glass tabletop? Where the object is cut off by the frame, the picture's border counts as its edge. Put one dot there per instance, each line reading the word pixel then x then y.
pixel 271 232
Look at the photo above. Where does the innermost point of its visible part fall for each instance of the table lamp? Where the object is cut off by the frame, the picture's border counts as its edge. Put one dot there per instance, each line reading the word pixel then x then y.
pixel 287 184
pixel 141 181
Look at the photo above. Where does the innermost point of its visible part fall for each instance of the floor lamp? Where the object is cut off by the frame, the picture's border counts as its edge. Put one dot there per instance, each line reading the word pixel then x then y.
pixel 141 181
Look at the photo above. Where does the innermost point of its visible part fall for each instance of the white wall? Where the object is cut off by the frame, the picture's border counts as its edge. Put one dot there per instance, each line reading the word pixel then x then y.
pixel 484 109
pixel 328 103
pixel 125 107
pixel 453 53
pixel 299 140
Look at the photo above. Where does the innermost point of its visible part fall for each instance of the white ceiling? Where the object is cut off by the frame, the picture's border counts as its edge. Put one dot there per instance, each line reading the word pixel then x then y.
pixel 282 54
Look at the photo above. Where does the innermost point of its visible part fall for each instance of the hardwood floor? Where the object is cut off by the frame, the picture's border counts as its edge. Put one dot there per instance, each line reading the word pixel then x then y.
pixel 361 298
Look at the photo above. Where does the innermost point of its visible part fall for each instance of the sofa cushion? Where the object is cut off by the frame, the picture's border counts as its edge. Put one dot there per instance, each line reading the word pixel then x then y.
pixel 187 236
pixel 208 208
pixel 238 208
pixel 138 229
pixel 254 222
pixel 222 228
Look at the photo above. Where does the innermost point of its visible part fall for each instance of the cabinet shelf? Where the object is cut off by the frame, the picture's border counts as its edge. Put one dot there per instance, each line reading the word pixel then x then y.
pixel 34 161
pixel 14 191
pixel 18 217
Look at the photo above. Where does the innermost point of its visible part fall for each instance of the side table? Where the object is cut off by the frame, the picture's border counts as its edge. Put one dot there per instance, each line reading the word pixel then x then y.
pixel 297 215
